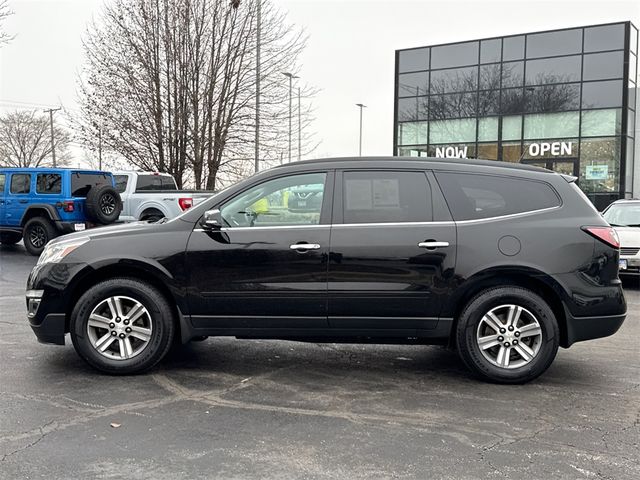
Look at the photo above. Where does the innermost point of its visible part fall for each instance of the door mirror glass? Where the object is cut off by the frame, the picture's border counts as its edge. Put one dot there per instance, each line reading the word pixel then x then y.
pixel 212 220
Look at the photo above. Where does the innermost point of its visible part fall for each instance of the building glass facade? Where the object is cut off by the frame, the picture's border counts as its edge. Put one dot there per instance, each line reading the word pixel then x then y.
pixel 563 100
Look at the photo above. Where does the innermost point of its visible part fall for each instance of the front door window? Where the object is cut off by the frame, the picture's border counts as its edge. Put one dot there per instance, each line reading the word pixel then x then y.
pixel 293 200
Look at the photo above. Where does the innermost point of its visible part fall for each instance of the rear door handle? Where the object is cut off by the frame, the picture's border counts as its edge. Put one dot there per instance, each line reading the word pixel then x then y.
pixel 433 244
pixel 23 201
pixel 304 246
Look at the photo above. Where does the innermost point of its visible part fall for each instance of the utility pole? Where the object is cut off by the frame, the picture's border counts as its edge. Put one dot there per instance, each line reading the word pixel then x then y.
pixel 291 77
pixel 360 143
pixel 299 128
pixel 99 148
pixel 53 141
pixel 258 40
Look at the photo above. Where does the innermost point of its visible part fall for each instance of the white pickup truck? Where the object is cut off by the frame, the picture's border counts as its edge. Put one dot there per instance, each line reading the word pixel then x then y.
pixel 151 196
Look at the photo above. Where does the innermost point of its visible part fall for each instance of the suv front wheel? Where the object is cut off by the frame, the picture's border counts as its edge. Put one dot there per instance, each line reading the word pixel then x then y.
pixel 507 335
pixel 122 326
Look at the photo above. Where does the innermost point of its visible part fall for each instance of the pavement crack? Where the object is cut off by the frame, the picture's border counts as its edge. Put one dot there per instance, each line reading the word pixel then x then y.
pixel 43 434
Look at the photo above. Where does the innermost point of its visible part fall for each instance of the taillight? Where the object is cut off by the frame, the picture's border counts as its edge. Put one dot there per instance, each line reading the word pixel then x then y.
pixel 185 203
pixel 68 206
pixel 605 234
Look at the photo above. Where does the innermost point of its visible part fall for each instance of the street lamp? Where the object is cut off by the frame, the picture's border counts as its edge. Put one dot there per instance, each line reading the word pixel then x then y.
pixel 291 77
pixel 360 145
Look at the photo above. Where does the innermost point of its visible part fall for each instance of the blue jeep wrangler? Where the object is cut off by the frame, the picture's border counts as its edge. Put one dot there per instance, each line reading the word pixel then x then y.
pixel 41 203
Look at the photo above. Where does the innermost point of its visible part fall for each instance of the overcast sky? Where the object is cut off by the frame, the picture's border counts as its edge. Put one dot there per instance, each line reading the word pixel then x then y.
pixel 350 53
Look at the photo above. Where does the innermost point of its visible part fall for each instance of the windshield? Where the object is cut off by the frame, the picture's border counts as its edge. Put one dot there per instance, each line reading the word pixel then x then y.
pixel 623 215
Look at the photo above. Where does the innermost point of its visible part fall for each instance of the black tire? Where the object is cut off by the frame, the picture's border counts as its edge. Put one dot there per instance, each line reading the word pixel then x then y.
pixel 38 231
pixel 468 329
pixel 103 204
pixel 160 318
pixel 10 238
pixel 152 216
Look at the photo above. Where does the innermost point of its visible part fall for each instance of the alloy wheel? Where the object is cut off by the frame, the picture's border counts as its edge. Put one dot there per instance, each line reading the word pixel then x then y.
pixel 509 336
pixel 119 328
pixel 107 204
pixel 38 236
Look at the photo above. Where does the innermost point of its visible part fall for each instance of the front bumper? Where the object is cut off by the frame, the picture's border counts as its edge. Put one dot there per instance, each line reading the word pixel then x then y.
pixel 51 329
pixel 47 299
pixel 48 327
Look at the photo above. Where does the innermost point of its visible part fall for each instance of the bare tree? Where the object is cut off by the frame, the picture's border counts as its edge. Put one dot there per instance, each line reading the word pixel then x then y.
pixel 25 140
pixel 170 85
pixel 4 13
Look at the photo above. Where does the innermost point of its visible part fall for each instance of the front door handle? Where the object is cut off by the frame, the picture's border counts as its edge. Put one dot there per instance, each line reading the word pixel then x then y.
pixel 433 244
pixel 304 246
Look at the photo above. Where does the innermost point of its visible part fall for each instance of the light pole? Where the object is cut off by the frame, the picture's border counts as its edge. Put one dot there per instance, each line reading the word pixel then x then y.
pixel 299 128
pixel 291 77
pixel 53 143
pixel 258 39
pixel 361 105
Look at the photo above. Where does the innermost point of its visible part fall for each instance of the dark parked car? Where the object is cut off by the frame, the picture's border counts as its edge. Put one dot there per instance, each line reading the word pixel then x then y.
pixel 504 262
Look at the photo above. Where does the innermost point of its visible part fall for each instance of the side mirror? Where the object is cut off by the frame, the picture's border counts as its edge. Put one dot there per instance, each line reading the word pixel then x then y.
pixel 212 220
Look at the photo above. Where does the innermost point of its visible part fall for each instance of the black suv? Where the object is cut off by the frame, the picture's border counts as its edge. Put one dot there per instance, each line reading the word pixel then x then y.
pixel 503 262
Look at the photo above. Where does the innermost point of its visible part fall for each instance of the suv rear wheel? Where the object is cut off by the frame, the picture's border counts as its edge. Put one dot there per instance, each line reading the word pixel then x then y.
pixel 507 335
pixel 38 231
pixel 122 326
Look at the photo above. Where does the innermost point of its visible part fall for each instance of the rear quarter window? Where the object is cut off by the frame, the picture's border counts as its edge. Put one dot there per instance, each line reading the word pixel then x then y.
pixel 2 182
pixel 155 182
pixel 121 182
pixel 476 196
pixel 81 183
pixel 49 183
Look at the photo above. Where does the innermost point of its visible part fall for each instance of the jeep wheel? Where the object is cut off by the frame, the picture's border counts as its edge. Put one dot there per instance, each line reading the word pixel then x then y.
pixel 10 238
pixel 508 335
pixel 38 231
pixel 103 204
pixel 122 326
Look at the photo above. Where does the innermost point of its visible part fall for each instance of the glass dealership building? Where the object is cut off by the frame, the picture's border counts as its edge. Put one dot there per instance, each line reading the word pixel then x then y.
pixel 561 99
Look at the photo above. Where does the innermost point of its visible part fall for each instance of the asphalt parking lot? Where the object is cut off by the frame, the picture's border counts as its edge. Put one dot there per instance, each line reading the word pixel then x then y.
pixel 226 408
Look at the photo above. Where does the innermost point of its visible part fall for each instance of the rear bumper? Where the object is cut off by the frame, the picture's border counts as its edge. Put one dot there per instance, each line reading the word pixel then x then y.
pixel 580 329
pixel 70 227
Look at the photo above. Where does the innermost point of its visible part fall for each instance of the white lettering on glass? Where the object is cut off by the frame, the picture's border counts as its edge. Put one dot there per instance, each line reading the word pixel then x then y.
pixel 451 152
pixel 556 148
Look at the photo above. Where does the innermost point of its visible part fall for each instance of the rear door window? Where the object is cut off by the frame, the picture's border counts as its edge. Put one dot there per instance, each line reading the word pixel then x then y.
pixel 81 183
pixel 49 183
pixel 386 197
pixel 155 182
pixel 475 196
pixel 20 183
pixel 2 182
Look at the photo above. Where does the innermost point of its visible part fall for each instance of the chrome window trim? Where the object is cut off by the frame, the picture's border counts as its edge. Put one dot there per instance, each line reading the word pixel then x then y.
pixel 391 224
pixel 271 227
pixel 511 215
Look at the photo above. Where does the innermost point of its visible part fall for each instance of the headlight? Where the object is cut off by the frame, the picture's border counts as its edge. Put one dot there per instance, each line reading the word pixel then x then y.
pixel 54 252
